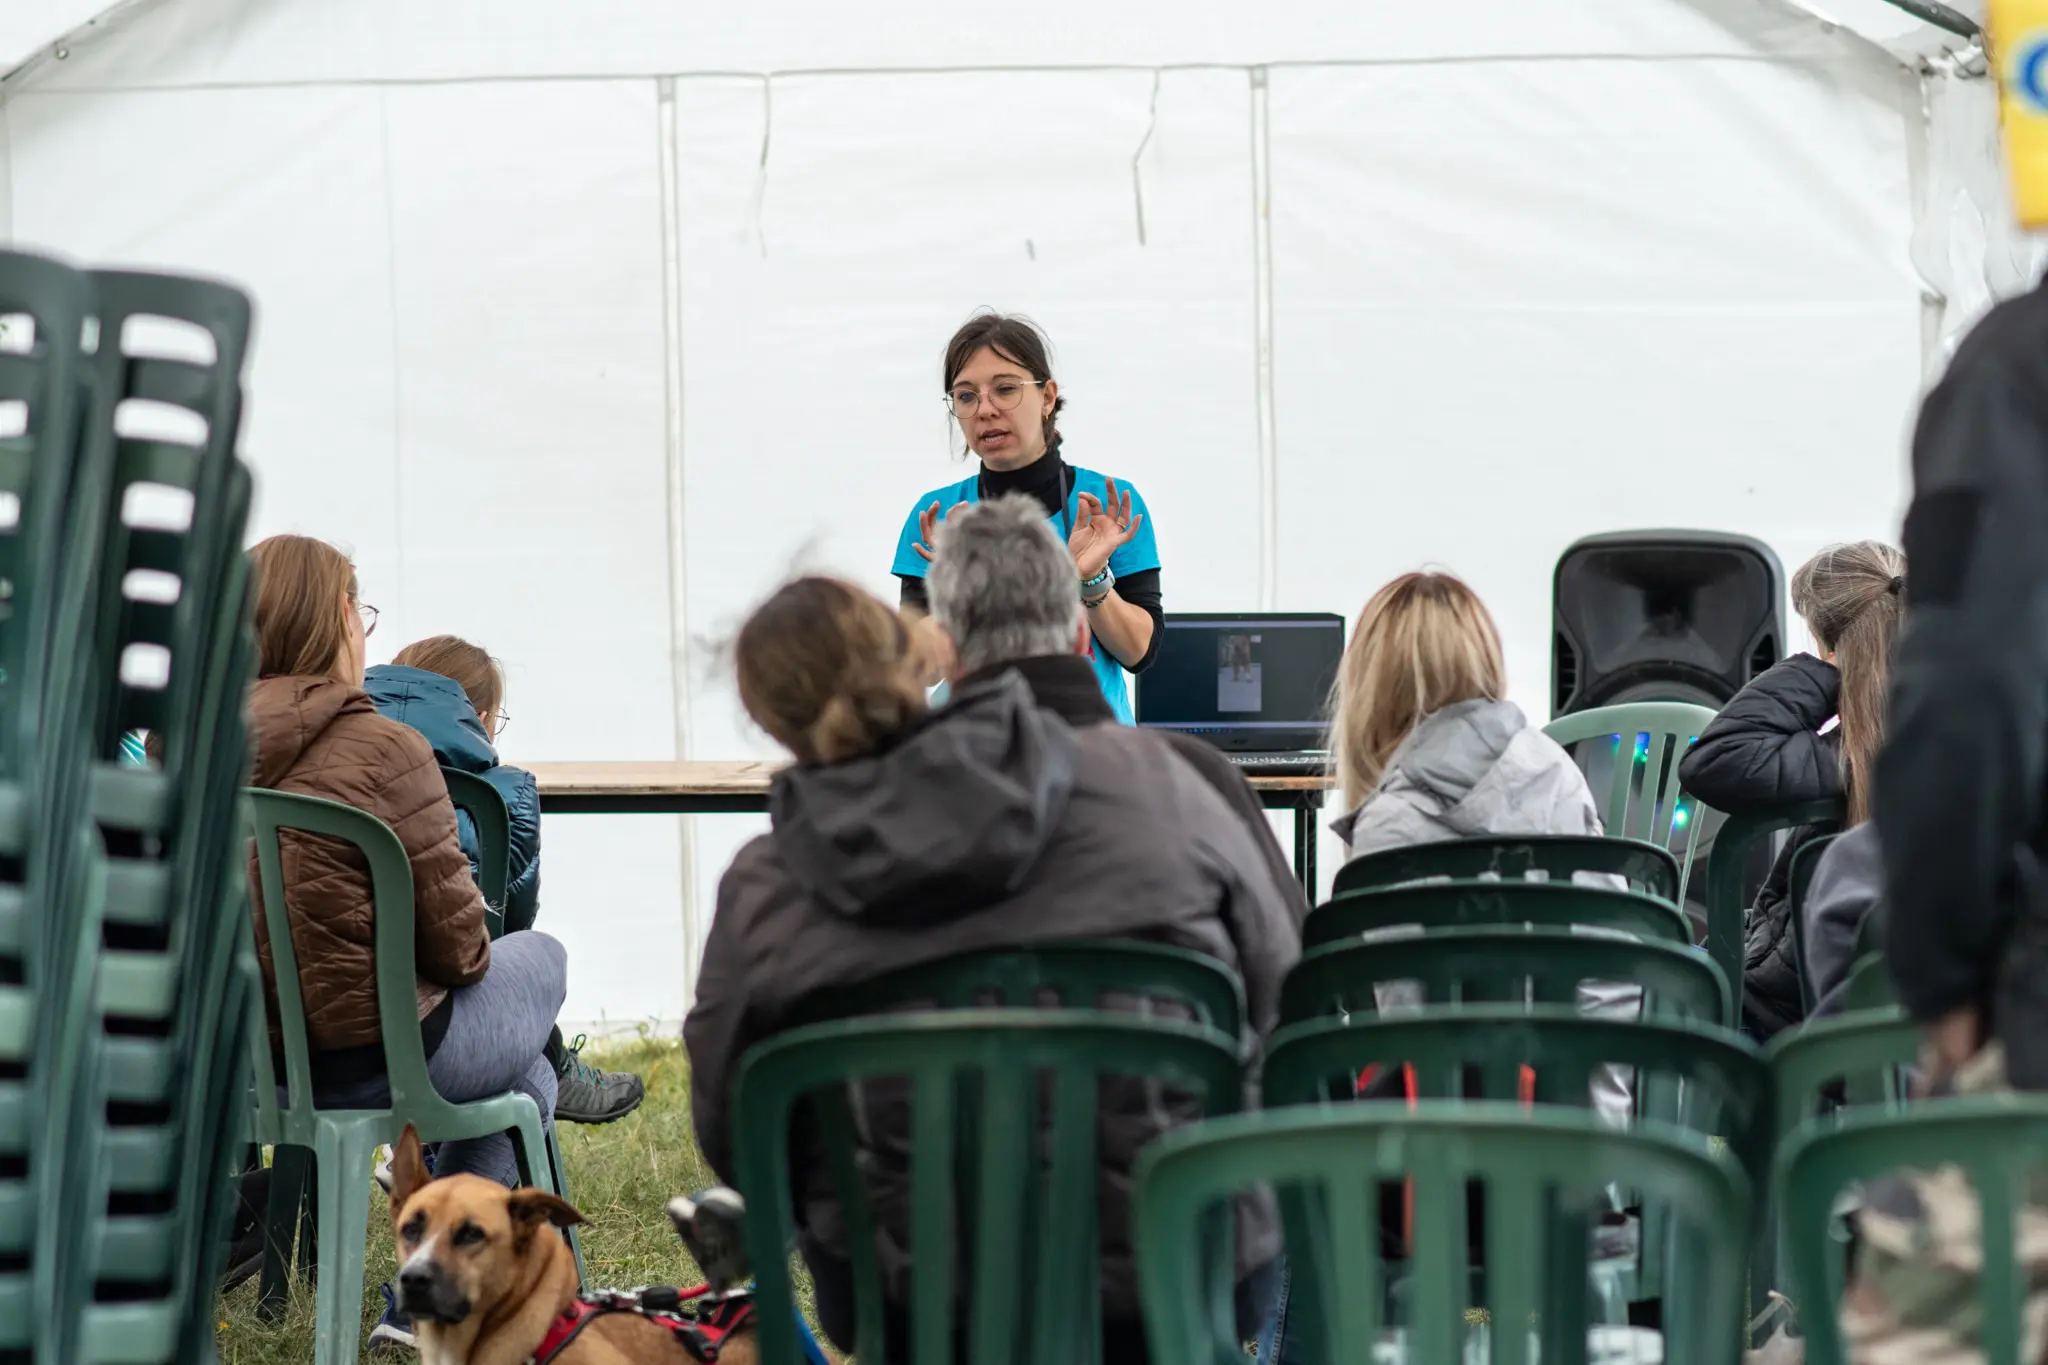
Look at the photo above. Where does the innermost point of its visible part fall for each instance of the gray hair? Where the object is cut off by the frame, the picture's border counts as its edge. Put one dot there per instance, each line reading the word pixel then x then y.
pixel 1001 584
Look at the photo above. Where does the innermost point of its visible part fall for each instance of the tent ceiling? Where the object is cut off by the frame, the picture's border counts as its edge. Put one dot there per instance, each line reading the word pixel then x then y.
pixel 34 30
pixel 1892 27
pixel 259 42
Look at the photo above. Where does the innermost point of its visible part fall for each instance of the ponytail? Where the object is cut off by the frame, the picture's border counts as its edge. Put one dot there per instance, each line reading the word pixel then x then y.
pixel 828 671
pixel 1852 598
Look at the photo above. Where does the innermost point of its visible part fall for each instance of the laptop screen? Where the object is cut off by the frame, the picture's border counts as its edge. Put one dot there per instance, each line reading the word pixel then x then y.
pixel 1254 681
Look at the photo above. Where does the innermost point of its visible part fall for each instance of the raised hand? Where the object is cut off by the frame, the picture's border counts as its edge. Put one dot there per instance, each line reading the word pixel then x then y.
pixel 1099 532
pixel 927 530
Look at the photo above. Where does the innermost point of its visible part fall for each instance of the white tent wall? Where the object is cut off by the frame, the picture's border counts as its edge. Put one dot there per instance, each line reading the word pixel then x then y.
pixel 1966 243
pixel 583 331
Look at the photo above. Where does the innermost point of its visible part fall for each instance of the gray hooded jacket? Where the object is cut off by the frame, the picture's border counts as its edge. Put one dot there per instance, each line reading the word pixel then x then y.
pixel 1475 767
pixel 993 825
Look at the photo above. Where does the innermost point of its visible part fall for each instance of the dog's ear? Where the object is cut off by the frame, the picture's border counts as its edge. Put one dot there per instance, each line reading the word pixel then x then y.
pixel 530 1208
pixel 408 1169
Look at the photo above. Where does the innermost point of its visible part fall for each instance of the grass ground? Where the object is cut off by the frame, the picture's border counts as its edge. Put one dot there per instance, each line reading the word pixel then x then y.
pixel 621 1176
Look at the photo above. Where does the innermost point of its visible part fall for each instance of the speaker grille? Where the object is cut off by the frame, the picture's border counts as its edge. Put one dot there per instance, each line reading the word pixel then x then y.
pixel 1565 661
pixel 1763 656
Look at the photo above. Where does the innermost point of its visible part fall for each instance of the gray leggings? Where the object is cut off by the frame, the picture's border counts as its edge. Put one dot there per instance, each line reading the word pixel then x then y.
pixel 496 1032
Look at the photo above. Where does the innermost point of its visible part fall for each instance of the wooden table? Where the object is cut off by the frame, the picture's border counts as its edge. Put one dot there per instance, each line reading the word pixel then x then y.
pixel 728 788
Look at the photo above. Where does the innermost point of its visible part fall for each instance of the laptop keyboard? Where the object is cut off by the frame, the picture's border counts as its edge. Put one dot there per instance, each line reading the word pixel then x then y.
pixel 1289 764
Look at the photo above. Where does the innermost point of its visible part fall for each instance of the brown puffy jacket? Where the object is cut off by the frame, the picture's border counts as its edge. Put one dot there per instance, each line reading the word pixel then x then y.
pixel 318 737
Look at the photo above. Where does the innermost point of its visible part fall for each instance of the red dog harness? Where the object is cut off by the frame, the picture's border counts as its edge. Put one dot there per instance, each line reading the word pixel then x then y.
pixel 701 1327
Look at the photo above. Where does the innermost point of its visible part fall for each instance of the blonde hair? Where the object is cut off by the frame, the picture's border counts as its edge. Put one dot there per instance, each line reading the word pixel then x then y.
pixel 1423 642
pixel 305 589
pixel 481 677
pixel 828 671
pixel 1852 598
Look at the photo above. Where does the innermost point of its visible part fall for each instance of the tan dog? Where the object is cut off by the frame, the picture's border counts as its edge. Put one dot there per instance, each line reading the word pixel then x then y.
pixel 484 1274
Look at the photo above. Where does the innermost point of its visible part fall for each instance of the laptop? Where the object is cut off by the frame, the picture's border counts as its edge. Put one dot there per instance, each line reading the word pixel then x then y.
pixel 1254 684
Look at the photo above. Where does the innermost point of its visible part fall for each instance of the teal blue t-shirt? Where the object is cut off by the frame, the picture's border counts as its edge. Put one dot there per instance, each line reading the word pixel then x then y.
pixel 1141 554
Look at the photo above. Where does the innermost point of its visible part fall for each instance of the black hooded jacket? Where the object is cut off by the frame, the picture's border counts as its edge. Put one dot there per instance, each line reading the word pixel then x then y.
pixel 1961 796
pixel 994 824
pixel 1765 750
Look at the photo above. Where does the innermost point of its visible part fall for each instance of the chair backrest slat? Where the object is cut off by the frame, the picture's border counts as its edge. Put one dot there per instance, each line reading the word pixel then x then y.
pixel 1546 1172
pixel 1534 966
pixel 1513 857
pixel 1446 905
pixel 1050 1258
pixel 1077 975
pixel 1726 1086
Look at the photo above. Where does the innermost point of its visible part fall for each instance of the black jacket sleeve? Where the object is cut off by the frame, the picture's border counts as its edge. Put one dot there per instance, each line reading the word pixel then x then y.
pixel 1765 748
pixel 913 594
pixel 1959 785
pixel 1142 591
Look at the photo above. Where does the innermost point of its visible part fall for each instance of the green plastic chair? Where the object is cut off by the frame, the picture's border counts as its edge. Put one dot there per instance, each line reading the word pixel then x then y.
pixel 42 929
pixel 1545 1176
pixel 1998 1143
pixel 1516 966
pixel 1004 1216
pixel 1868 1054
pixel 1869 986
pixel 1727 865
pixel 1073 975
pixel 1642 800
pixel 1464 905
pixel 1695 1075
pixel 343 1140
pixel 1726 1086
pixel 485 807
pixel 1648 869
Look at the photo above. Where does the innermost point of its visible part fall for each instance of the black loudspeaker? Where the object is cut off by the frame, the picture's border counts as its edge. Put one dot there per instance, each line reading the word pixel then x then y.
pixel 1663 616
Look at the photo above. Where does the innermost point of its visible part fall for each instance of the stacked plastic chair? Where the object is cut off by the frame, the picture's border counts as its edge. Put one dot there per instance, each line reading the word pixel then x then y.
pixel 134 965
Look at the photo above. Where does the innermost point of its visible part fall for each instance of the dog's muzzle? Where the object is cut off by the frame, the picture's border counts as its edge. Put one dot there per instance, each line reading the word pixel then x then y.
pixel 424 1292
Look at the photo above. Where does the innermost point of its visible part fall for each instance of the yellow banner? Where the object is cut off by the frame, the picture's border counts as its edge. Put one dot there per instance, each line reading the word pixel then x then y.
pixel 2017 31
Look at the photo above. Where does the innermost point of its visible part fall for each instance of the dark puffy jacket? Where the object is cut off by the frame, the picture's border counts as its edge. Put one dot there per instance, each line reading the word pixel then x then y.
pixel 318 737
pixel 438 708
pixel 1765 750
pixel 992 825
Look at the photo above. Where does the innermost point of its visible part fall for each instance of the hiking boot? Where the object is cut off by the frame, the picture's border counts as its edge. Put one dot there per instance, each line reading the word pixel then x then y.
pixel 394 1330
pixel 584 1094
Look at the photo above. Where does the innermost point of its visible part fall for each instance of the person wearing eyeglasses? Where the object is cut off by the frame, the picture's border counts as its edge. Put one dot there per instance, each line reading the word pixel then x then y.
pixel 1001 393
pixel 453 692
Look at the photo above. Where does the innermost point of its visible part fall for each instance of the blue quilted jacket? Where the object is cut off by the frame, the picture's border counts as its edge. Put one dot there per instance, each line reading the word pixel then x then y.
pixel 438 708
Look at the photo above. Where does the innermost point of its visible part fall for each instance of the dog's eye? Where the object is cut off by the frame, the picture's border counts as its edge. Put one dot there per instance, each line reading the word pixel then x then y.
pixel 468 1235
pixel 414 1226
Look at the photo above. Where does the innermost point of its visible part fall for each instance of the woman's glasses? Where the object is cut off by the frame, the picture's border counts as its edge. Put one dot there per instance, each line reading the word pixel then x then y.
pixel 369 615
pixel 1006 394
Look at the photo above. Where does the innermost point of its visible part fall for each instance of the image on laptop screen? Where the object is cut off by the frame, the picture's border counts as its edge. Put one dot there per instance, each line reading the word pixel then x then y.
pixel 1253 681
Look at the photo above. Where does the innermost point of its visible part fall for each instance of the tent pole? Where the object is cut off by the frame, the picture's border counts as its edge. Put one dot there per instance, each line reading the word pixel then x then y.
pixel 1941 16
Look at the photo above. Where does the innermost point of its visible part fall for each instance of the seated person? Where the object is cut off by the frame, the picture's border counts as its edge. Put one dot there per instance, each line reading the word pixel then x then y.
pixel 1003 597
pixel 452 692
pixel 899 838
pixel 484 1008
pixel 1768 747
pixel 1430 748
